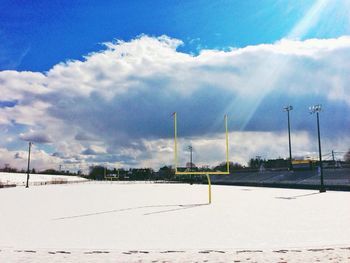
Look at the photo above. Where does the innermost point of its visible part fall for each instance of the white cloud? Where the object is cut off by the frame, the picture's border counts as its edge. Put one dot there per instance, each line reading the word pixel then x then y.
pixel 39 159
pixel 210 150
pixel 117 102
pixel 21 85
pixel 36 137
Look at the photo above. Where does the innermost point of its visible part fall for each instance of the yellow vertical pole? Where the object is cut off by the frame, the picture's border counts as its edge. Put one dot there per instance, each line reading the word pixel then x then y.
pixel 226 129
pixel 209 188
pixel 175 141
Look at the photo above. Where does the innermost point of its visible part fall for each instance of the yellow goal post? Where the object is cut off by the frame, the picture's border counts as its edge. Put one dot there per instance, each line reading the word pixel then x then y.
pixel 207 173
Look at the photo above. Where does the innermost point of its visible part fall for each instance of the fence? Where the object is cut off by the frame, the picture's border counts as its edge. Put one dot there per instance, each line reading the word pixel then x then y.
pixel 63 181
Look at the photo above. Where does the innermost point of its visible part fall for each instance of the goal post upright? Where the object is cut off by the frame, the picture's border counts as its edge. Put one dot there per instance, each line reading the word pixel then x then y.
pixel 201 173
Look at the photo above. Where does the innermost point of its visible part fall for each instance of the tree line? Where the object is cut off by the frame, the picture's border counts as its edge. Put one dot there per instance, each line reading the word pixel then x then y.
pixel 167 172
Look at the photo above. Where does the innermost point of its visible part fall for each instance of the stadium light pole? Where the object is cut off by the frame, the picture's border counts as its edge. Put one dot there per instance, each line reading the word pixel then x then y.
pixel 29 148
pixel 288 109
pixel 316 109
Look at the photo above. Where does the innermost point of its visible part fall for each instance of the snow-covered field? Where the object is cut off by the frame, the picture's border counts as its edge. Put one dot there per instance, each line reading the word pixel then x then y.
pixel 21 178
pixel 172 222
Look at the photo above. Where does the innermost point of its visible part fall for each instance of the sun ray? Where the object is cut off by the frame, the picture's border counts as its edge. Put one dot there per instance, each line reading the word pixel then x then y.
pixel 310 20
pixel 267 73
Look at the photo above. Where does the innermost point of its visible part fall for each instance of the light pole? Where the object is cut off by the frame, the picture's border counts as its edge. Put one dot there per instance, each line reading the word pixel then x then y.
pixel 288 109
pixel 191 149
pixel 29 147
pixel 316 109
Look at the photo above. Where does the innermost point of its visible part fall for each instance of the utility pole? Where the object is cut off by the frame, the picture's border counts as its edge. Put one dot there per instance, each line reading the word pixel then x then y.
pixel 191 149
pixel 334 162
pixel 29 148
pixel 288 109
pixel 316 109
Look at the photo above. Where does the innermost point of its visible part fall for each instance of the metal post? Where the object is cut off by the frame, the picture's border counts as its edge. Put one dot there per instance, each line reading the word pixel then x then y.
pixel 209 189
pixel 191 176
pixel 290 146
pixel 322 188
pixel 288 109
pixel 191 148
pixel 316 109
pixel 226 131
pixel 29 147
pixel 175 142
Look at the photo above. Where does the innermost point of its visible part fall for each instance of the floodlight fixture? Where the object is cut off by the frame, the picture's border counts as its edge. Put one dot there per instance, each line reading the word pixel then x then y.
pixel 315 108
pixel 288 108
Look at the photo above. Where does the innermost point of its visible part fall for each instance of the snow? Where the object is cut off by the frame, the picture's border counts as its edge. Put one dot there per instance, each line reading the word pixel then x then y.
pixel 21 178
pixel 155 218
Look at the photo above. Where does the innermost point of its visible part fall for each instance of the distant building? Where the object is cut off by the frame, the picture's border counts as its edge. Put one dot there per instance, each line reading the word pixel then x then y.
pixel 303 164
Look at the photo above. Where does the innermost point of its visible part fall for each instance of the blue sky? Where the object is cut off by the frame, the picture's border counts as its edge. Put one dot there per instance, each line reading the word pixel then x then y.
pixel 35 35
pixel 84 97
